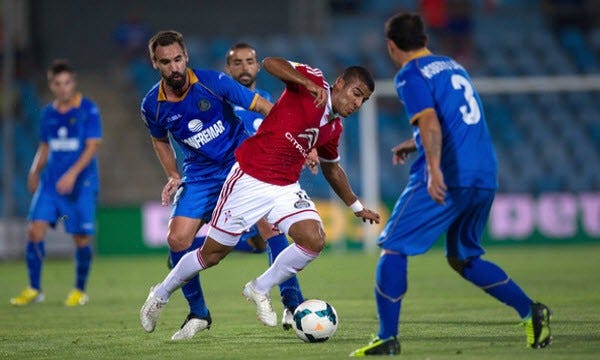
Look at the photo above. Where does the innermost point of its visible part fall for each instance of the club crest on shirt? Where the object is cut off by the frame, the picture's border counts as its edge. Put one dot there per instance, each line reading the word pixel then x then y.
pixel 72 120
pixel 195 125
pixel 301 204
pixel 203 105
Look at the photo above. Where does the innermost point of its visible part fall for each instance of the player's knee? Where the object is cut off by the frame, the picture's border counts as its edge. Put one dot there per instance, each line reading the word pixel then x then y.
pixel 456 264
pixel 315 241
pixel 178 241
pixel 35 233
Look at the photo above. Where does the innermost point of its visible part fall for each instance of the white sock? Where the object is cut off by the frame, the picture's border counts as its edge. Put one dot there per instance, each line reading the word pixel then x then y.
pixel 291 260
pixel 186 268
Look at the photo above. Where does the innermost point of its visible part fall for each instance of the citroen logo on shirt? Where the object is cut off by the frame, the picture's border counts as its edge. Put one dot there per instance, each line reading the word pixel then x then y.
pixel 311 135
pixel 195 125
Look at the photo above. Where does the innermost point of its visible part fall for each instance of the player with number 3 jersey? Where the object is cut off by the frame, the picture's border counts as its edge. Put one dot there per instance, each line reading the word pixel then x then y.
pixel 451 188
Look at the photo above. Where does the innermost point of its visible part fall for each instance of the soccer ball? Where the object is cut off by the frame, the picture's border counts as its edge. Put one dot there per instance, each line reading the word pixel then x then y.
pixel 315 321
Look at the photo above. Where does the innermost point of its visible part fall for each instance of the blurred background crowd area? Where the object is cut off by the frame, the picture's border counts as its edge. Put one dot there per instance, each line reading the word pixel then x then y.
pixel 546 141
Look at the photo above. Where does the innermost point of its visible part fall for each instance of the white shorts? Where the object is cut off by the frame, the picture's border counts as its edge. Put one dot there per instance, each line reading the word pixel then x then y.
pixel 244 200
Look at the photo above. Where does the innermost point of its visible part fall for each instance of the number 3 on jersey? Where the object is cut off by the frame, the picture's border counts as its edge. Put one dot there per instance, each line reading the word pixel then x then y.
pixel 470 112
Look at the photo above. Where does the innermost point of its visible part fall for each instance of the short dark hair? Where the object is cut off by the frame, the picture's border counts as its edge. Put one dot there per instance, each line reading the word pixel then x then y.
pixel 407 31
pixel 59 66
pixel 237 46
pixel 165 38
pixel 361 74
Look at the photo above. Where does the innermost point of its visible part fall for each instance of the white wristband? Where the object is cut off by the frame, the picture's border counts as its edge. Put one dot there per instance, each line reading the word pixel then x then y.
pixel 357 206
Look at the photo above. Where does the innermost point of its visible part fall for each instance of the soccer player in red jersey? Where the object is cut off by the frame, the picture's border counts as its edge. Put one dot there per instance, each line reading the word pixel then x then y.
pixel 264 181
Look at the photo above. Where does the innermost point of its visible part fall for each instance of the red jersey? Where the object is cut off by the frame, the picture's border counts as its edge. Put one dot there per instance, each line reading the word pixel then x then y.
pixel 277 152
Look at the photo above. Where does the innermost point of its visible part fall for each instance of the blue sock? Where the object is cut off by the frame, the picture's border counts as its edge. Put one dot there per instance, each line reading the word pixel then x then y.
pixel 291 295
pixel 83 259
pixel 34 256
pixel 192 289
pixel 494 281
pixel 390 287
pixel 197 243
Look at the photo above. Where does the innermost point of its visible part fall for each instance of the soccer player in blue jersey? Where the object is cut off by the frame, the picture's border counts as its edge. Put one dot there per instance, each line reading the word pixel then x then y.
pixel 196 108
pixel 64 180
pixel 450 190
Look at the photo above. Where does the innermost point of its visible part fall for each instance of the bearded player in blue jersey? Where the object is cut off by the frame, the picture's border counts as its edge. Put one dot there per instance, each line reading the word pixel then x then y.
pixel 450 191
pixel 196 108
pixel 64 180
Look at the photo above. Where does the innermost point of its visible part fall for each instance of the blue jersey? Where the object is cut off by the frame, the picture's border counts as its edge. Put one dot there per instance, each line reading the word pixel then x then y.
pixel 66 135
pixel 251 119
pixel 202 121
pixel 438 83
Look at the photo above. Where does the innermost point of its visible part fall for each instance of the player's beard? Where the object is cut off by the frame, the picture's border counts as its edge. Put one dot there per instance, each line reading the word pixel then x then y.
pixel 176 84
pixel 246 79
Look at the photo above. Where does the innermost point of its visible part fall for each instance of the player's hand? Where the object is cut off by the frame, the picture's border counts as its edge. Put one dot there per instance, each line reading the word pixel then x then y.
pixel 33 181
pixel 400 152
pixel 436 186
pixel 312 162
pixel 319 93
pixel 66 182
pixel 368 215
pixel 168 190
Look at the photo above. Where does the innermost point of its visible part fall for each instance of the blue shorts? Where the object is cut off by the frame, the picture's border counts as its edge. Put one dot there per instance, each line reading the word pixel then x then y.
pixel 417 221
pixel 78 210
pixel 197 199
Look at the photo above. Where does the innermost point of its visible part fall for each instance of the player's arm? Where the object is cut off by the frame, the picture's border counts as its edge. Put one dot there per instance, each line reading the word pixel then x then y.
pixel 261 105
pixel 67 180
pixel 283 69
pixel 431 137
pixel 337 179
pixel 39 163
pixel 166 156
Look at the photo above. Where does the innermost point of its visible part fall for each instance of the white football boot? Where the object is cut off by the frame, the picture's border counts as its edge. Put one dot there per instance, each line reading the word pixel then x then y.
pixel 264 309
pixel 151 309
pixel 191 326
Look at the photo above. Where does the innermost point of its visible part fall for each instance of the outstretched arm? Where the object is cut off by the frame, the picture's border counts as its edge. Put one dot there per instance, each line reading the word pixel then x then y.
pixel 336 177
pixel 166 156
pixel 282 69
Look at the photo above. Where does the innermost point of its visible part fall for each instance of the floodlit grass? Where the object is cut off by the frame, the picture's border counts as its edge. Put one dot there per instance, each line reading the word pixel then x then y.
pixel 443 316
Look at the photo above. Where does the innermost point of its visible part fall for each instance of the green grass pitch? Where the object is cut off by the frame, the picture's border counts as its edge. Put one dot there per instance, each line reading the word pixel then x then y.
pixel 443 316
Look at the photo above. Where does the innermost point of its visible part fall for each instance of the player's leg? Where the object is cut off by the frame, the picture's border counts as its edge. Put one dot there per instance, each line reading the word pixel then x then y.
pixel 186 268
pixel 42 212
pixel 193 202
pixel 83 259
pixel 193 262
pixel 415 224
pixel 289 290
pixel 80 217
pixel 35 252
pixel 464 251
